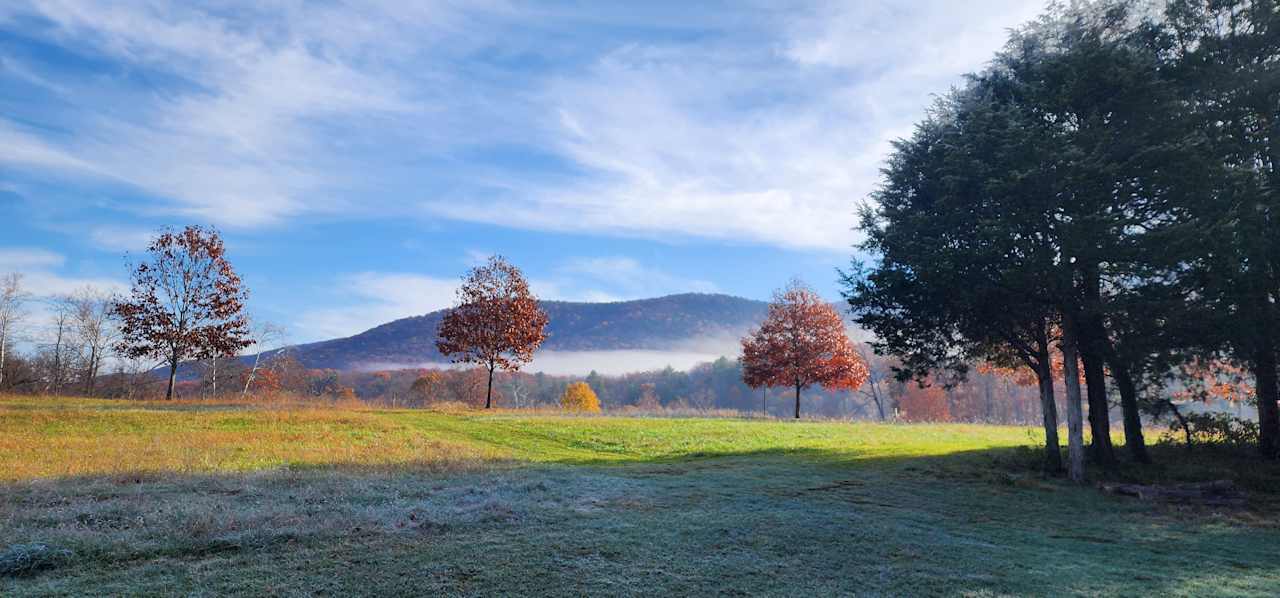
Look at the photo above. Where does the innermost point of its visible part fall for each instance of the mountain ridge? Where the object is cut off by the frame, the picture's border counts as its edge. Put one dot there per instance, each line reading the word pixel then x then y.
pixel 657 323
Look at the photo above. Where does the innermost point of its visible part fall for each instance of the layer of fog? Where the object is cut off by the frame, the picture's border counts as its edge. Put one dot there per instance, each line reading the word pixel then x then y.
pixel 581 363
pixel 681 357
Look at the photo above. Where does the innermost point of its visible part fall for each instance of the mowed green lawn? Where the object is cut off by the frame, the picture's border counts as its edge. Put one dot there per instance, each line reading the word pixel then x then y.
pixel 110 497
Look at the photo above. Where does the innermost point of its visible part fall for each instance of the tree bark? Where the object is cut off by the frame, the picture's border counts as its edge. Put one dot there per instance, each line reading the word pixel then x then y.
pixel 1132 416
pixel 55 384
pixel 4 346
pixel 488 395
pixel 875 395
pixel 1133 439
pixel 1075 415
pixel 93 371
pixel 173 378
pixel 1091 335
pixel 1049 410
pixel 253 372
pixel 797 401
pixel 1268 389
pixel 1100 448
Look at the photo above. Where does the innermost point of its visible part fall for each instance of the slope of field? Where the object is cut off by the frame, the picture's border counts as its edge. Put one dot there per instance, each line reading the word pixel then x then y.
pixel 103 497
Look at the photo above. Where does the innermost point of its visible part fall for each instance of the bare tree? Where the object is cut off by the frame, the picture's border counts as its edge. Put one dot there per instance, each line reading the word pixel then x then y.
pixel 93 328
pixel 263 336
pixel 518 390
pixel 59 349
pixel 878 372
pixel 11 314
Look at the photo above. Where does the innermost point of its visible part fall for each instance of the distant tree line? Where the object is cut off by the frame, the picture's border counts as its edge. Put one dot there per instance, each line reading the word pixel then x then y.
pixel 1097 208
pixel 712 386
pixel 185 316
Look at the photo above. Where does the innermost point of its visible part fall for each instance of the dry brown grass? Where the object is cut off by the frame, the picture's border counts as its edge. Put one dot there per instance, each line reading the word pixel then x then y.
pixel 129 439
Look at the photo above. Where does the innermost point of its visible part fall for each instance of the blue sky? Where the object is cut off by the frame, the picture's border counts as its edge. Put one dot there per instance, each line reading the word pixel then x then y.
pixel 359 157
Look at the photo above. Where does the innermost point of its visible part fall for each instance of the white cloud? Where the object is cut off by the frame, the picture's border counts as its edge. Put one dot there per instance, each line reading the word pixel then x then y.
pixel 22 148
pixel 43 275
pixel 935 39
pixel 375 298
pixel 23 259
pixel 739 143
pixel 766 128
pixel 235 143
pixel 120 238
pixel 45 284
pixel 44 279
pixel 629 278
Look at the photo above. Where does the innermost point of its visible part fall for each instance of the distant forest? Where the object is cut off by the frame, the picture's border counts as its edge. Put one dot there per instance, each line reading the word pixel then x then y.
pixel 983 396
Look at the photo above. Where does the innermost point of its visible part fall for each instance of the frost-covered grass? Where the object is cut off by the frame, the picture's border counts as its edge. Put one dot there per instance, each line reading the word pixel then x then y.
pixel 240 499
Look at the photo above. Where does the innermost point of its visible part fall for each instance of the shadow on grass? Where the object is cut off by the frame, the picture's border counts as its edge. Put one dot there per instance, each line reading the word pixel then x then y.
pixel 772 521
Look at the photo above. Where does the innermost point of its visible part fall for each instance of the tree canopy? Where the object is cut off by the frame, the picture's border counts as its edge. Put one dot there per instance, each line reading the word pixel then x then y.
pixel 496 322
pixel 801 342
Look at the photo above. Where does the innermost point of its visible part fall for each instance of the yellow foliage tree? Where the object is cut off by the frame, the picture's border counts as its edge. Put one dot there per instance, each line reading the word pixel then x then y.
pixel 579 397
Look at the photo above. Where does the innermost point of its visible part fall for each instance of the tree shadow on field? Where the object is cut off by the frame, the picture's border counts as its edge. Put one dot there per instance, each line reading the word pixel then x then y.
pixel 776 521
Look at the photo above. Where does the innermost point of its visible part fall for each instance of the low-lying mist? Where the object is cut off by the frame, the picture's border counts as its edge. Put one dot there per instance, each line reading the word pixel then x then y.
pixel 608 362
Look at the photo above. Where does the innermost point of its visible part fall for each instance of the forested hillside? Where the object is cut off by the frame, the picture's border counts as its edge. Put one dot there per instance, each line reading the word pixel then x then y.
pixel 659 323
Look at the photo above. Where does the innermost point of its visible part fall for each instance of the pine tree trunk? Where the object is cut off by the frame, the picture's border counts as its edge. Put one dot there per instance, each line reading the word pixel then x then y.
pixel 1268 389
pixel 1090 336
pixel 1049 410
pixel 1075 415
pixel 1100 448
pixel 1133 439
pixel 488 395
pixel 1132 415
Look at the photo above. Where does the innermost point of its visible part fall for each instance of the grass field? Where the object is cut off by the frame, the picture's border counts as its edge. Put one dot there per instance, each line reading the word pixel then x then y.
pixel 107 497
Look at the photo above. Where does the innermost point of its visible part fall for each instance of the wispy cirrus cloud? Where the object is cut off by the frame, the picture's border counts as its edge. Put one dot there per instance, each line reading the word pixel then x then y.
pixel 44 273
pixel 373 298
pixel 628 278
pixel 121 238
pixel 769 141
pixel 761 125
pixel 236 117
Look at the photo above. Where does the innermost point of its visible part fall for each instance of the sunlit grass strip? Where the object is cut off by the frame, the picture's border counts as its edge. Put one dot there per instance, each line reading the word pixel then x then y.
pixel 45 438
pixel 84 440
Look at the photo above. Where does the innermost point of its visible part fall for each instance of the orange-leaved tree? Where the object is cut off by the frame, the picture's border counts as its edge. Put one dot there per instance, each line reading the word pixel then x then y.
pixel 496 323
pixel 186 302
pixel 802 342
pixel 578 396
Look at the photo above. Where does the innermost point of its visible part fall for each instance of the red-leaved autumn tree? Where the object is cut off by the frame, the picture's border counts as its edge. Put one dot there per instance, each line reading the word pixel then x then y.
pixel 186 302
pixel 802 342
pixel 496 323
